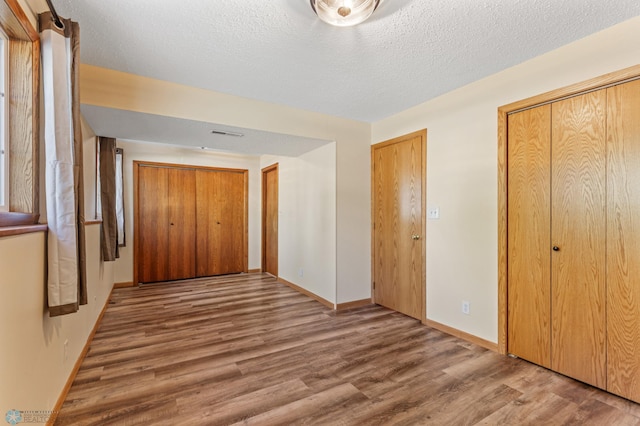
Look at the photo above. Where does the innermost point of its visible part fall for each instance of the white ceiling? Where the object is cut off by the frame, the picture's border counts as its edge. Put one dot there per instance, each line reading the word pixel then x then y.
pixel 137 126
pixel 408 52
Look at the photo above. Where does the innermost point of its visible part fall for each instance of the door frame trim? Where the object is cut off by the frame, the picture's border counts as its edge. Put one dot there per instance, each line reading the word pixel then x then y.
pixel 423 287
pixel 263 218
pixel 613 78
pixel 136 229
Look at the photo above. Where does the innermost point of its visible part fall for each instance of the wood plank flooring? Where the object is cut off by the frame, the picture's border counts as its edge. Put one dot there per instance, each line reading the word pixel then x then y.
pixel 247 350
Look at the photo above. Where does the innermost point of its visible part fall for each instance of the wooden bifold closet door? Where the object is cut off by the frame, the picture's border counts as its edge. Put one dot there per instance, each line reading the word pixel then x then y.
pixel 573 237
pixel 167 224
pixel 578 237
pixel 623 240
pixel 220 210
pixel 190 222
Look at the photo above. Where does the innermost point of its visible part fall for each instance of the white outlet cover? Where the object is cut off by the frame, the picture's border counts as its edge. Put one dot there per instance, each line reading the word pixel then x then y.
pixel 433 213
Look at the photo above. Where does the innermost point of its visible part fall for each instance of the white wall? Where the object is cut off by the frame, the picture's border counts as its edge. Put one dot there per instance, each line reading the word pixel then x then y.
pixel 139 151
pixel 307 220
pixel 462 168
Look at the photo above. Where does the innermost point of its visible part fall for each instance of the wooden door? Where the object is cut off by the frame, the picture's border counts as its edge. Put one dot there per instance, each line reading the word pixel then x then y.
pixel 578 235
pixel 167 223
pixel 398 179
pixel 623 240
pixel 529 235
pixel 270 220
pixel 221 217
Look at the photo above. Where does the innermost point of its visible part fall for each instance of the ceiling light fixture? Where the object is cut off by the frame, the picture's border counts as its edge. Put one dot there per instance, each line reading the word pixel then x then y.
pixel 225 133
pixel 344 13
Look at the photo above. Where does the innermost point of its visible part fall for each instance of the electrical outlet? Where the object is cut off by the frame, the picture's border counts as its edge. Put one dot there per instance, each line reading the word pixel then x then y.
pixel 66 350
pixel 466 307
pixel 433 213
pixel 301 272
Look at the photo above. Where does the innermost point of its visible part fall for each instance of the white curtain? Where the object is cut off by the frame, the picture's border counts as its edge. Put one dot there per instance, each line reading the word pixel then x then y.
pixel 120 196
pixel 63 168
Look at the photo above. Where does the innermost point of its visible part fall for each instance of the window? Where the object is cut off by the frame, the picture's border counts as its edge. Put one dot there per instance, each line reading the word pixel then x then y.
pixel 120 196
pixel 19 124
pixel 119 191
pixel 4 147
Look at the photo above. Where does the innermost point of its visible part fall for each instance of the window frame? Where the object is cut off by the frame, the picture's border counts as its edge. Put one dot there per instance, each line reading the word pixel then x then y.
pixel 5 194
pixel 22 141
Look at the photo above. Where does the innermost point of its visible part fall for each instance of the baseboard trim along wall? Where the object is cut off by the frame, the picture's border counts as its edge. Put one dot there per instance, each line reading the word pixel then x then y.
pixel 354 304
pixel 299 289
pixel 253 271
pixel 125 284
pixel 76 367
pixel 462 335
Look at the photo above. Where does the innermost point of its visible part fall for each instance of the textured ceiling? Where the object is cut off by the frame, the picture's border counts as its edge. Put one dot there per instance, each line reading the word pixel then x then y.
pixel 408 52
pixel 278 51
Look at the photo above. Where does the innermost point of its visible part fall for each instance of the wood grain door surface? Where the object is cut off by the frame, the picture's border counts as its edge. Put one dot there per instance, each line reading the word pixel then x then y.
pixel 529 235
pixel 191 222
pixel 398 225
pixel 623 240
pixel 578 231
pixel 270 220
pixel 167 222
pixel 220 207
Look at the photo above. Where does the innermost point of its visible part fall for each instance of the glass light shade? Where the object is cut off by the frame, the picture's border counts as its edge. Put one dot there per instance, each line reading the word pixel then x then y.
pixel 344 13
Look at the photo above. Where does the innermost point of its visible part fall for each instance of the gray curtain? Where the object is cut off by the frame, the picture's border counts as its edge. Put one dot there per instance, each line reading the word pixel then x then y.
pixel 107 147
pixel 66 266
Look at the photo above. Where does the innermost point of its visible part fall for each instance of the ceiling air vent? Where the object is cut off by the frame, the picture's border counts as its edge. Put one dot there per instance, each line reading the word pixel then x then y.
pixel 224 133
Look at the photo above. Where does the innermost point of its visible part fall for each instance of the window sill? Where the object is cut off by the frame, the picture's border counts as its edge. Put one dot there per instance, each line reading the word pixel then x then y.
pixel 12 223
pixel 18 219
pixel 6 231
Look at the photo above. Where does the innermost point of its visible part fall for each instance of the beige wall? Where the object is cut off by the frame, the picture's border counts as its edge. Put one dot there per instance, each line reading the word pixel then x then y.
pixel 112 89
pixel 34 365
pixel 462 169
pixel 138 151
pixel 35 369
pixel 307 220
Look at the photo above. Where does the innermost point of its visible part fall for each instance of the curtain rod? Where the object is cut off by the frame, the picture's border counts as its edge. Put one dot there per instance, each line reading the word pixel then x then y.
pixel 54 14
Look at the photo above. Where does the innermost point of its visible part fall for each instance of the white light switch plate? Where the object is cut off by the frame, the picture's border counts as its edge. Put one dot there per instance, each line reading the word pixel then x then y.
pixel 433 213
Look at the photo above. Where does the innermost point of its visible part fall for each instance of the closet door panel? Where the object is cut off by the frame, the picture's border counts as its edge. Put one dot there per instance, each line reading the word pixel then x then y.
pixel 529 223
pixel 182 224
pixel 578 200
pixel 231 211
pixel 221 238
pixel 153 222
pixel 623 244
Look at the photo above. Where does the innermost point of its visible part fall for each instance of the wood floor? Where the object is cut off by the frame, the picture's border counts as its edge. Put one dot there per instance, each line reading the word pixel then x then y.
pixel 247 350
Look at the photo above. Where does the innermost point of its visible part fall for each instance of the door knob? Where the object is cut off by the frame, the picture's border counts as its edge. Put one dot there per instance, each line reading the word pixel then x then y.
pixel 556 248
pixel 415 237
